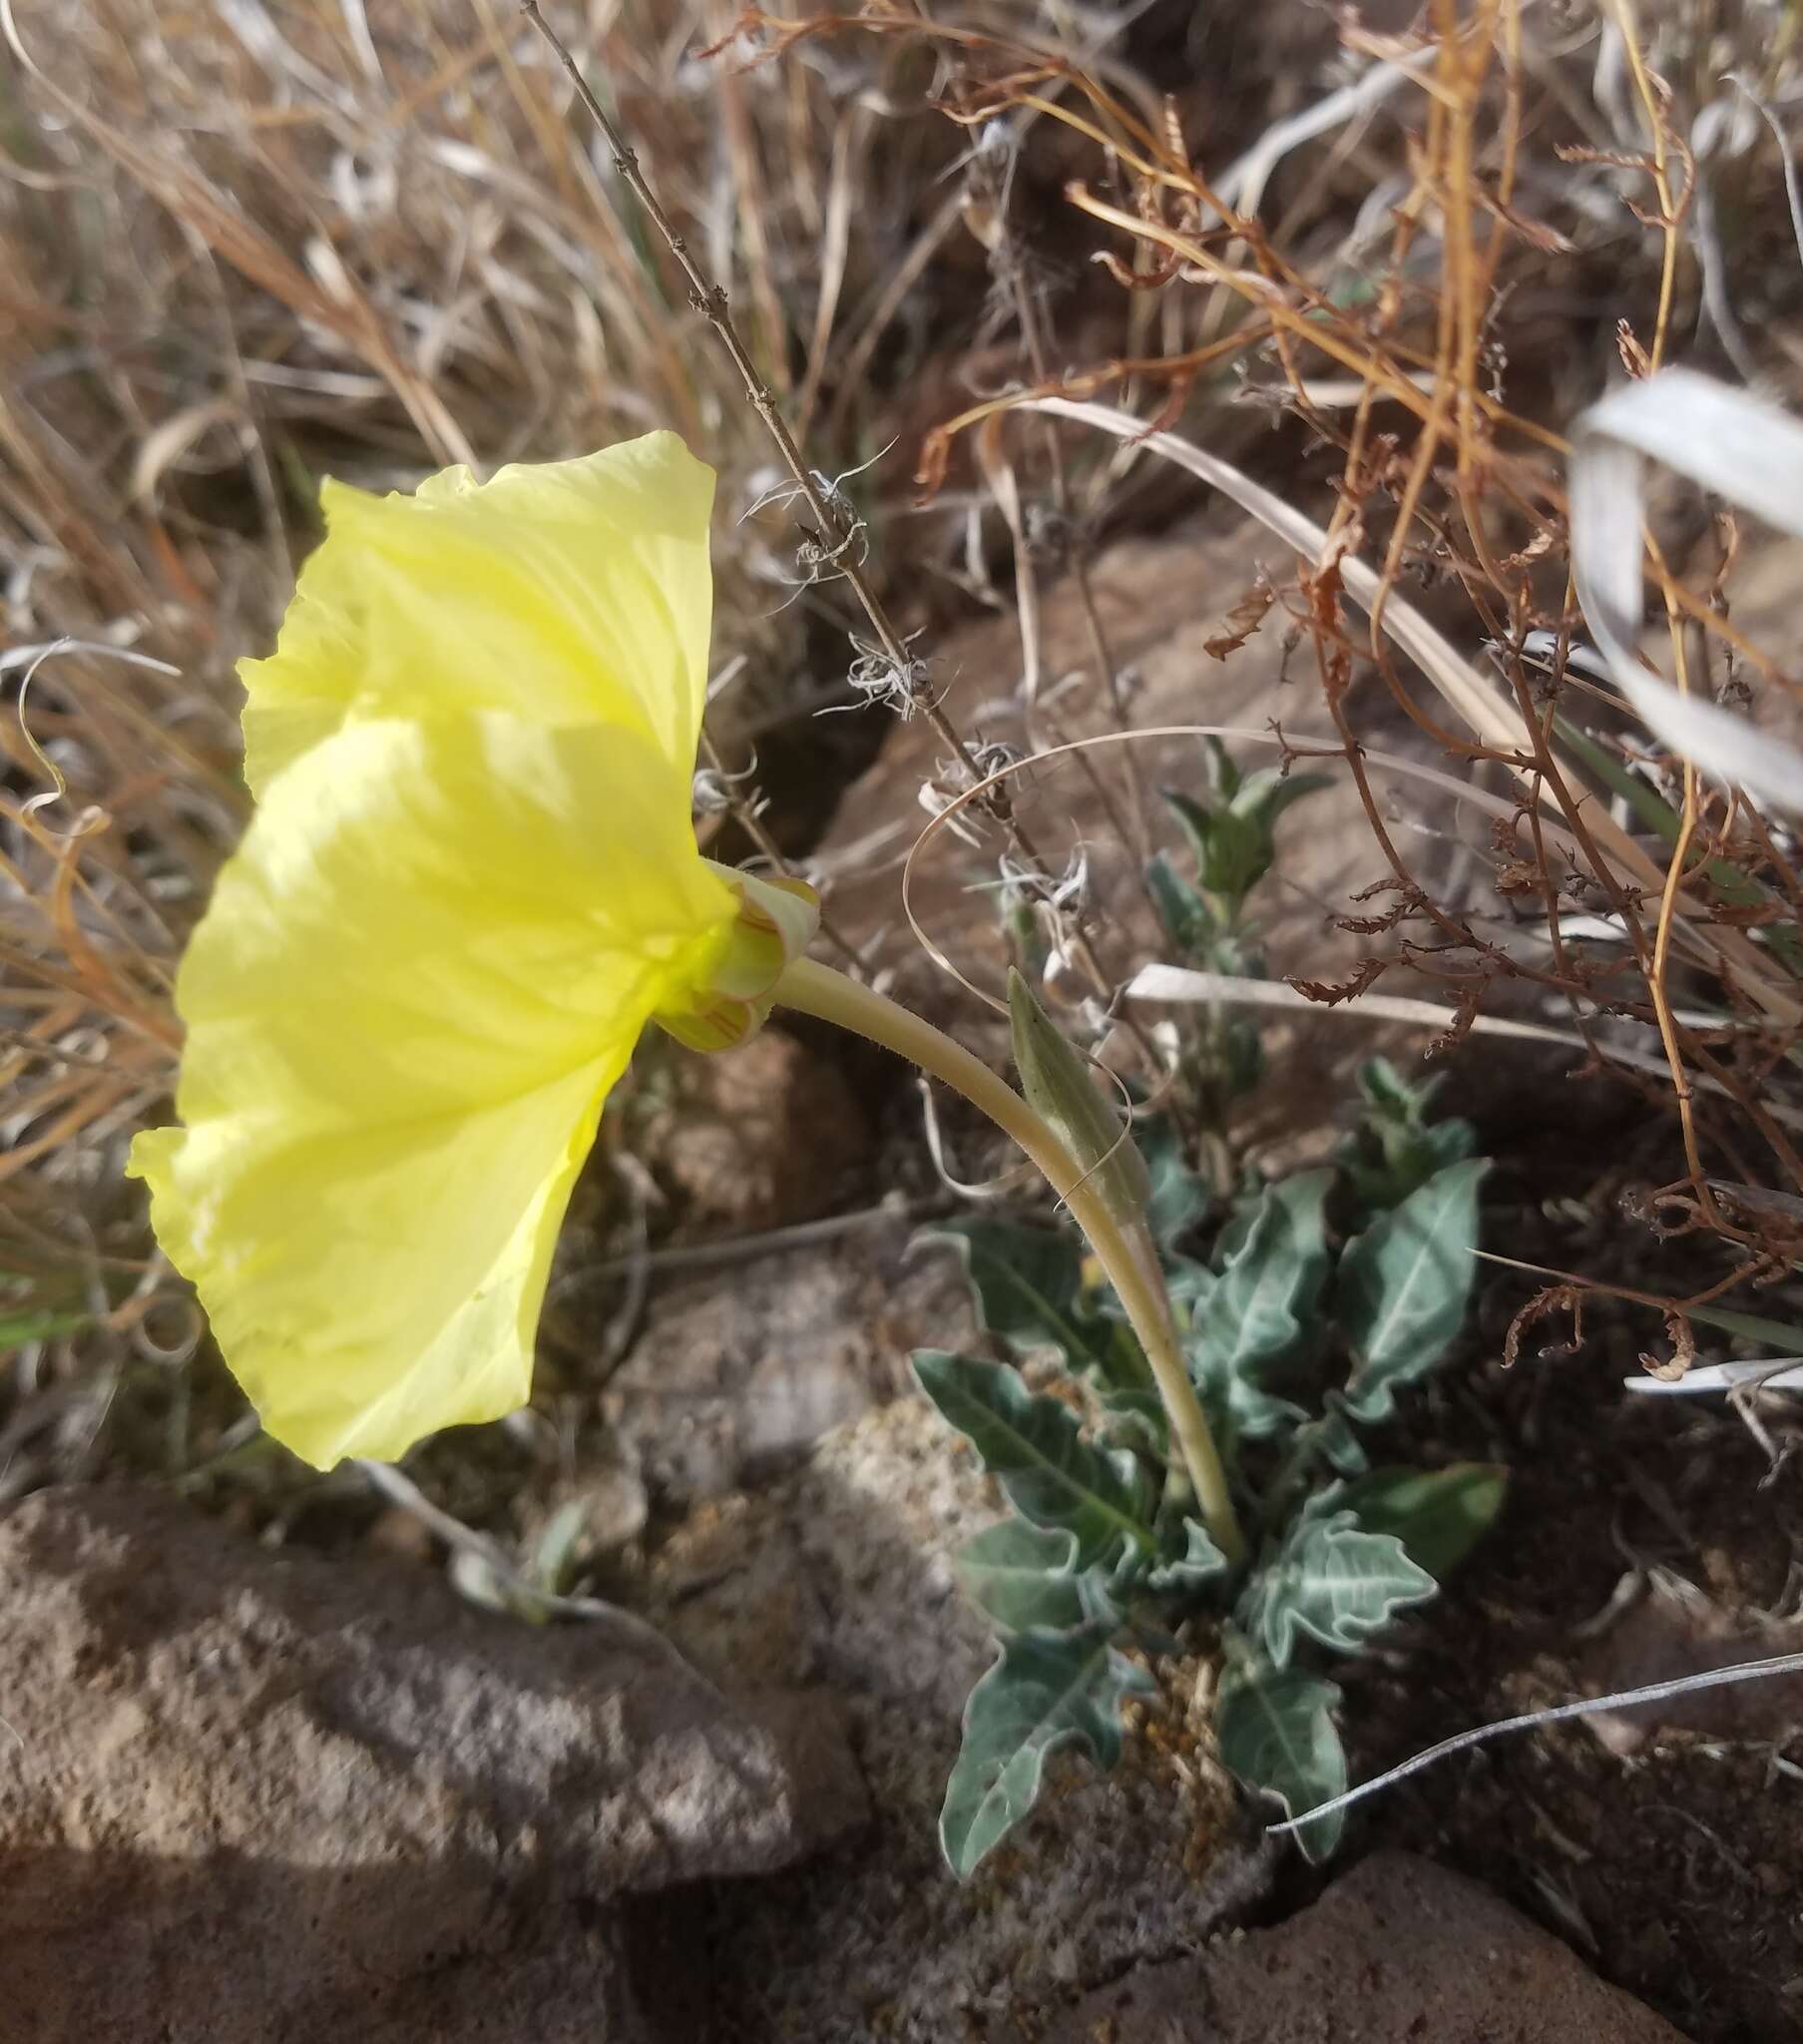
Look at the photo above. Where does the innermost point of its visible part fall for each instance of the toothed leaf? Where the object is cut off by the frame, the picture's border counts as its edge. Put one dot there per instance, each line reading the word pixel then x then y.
pixel 1439 1515
pixel 1404 1287
pixel 1262 1311
pixel 1275 1732
pixel 1047 1690
pixel 1022 1576
pixel 1027 1287
pixel 1330 1582
pixel 1188 922
pixel 1200 1565
pixel 1034 1449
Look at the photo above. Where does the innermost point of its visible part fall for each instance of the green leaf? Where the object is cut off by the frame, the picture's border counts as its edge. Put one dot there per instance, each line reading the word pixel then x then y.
pixel 1262 1310
pixel 1033 1446
pixel 555 1555
pixel 1179 1198
pixel 1398 1149
pixel 1188 922
pixel 37 1323
pixel 1248 1203
pixel 1389 1096
pixel 1137 1418
pixel 1408 1158
pixel 1185 1575
pixel 1027 1287
pixel 1048 1690
pixel 1188 1280
pixel 1404 1287
pixel 1275 1732
pixel 1332 1582
pixel 1026 941
pixel 1339 1443
pixel 1223 768
pixel 1234 844
pixel 1196 822
pixel 1273 1275
pixel 1268 792
pixel 1439 1515
pixel 1778 1335
pixel 1651 807
pixel 1249 1412
pixel 1023 1577
pixel 1241 852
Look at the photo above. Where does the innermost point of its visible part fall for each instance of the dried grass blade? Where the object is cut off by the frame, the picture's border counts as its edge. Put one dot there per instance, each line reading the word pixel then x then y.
pixel 1726 441
pixel 1489 713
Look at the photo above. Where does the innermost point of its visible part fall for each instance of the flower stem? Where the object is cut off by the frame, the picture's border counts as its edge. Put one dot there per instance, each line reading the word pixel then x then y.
pixel 811 988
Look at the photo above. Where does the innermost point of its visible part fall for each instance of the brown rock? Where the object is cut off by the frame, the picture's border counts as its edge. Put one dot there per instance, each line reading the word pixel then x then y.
pixel 1397 1949
pixel 757 1136
pixel 842 1573
pixel 254 1796
pixel 1160 601
pixel 740 1367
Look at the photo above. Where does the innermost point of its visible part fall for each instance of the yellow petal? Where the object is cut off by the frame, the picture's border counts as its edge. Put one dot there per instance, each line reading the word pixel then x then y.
pixel 567 592
pixel 418 977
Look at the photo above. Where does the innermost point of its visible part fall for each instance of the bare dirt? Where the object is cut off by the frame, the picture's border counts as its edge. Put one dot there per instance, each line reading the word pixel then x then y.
pixel 1397 1948
pixel 1676 1868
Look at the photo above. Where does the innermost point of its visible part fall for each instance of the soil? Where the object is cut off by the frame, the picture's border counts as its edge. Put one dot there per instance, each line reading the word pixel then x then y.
pixel 1397 1948
pixel 1676 1870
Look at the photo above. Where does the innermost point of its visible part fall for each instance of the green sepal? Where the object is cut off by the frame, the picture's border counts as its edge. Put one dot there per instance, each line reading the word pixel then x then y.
pixel 776 924
pixel 1060 1091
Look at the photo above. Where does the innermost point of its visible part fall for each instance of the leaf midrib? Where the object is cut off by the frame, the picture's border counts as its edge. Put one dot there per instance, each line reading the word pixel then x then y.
pixel 1141 1532
pixel 1424 1256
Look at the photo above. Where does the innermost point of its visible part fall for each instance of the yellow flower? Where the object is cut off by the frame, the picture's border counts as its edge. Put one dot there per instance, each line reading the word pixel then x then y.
pixel 470 882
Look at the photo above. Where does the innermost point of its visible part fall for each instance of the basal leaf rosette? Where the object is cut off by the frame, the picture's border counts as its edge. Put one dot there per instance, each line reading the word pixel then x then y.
pixel 470 882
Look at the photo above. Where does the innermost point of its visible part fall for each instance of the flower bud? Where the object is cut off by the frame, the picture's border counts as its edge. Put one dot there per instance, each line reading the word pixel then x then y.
pixel 1060 1089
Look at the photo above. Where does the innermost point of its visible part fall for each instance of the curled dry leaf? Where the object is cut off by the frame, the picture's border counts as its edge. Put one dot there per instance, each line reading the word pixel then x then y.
pixel 1555 1298
pixel 1243 619
pixel 1683 1350
pixel 1330 995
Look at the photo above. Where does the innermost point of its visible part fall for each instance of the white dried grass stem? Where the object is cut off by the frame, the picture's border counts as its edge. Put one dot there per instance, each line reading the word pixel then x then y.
pixel 1726 441
pixel 1180 985
pixel 1620 1700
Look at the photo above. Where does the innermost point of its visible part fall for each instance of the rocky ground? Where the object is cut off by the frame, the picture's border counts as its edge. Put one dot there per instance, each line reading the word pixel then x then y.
pixel 251 1795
